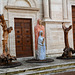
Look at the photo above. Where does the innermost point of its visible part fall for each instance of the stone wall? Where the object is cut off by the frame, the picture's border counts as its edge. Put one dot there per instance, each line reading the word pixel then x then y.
pixel 60 12
pixel 54 38
pixel 52 12
pixel 56 10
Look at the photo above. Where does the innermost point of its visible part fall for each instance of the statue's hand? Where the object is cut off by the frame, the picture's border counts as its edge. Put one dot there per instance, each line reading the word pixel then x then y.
pixel 62 23
pixel 70 26
pixel 43 41
pixel 2 25
pixel 63 26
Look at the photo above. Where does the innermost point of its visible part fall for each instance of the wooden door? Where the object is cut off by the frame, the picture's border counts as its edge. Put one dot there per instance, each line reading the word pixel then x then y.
pixel 23 37
pixel 73 22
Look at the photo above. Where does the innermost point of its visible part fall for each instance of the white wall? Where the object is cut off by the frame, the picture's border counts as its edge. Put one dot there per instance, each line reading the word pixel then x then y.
pixel 53 26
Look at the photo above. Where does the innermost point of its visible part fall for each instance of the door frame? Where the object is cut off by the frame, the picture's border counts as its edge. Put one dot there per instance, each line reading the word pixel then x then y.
pixel 69 9
pixel 73 28
pixel 20 14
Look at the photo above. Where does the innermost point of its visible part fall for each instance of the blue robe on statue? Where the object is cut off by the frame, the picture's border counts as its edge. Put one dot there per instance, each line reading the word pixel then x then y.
pixel 41 47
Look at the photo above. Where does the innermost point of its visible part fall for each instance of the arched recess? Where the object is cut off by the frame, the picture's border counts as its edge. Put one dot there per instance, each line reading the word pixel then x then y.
pixel 30 3
pixel 25 3
pixel 33 3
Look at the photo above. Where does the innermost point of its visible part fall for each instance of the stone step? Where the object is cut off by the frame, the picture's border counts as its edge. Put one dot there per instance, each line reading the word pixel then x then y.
pixel 43 70
pixel 47 71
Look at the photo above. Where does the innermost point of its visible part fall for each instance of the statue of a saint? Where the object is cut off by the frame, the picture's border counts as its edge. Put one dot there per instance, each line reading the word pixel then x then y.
pixel 6 32
pixel 5 40
pixel 41 47
pixel 66 30
pixel 37 29
pixel 5 58
pixel 67 50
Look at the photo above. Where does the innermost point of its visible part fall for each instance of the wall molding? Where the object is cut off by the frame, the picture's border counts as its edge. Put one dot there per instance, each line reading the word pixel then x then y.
pixel 22 8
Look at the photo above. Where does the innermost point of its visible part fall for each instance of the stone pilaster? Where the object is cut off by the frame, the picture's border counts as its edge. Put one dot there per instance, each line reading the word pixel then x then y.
pixel 1 6
pixel 46 9
pixel 65 16
pixel 1 32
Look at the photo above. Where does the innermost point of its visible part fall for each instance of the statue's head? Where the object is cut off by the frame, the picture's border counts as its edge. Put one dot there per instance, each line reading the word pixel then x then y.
pixel 40 22
pixel 1 18
pixel 41 33
pixel 9 29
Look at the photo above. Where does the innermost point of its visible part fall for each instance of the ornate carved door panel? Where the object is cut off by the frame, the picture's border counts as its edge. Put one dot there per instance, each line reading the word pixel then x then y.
pixel 73 21
pixel 23 37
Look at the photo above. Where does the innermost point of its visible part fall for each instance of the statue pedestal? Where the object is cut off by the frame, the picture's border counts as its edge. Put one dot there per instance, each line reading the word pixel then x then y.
pixel 47 60
pixel 67 54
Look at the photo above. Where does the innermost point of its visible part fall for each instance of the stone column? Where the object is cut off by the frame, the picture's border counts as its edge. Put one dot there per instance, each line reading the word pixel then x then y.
pixel 46 9
pixel 1 6
pixel 65 9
